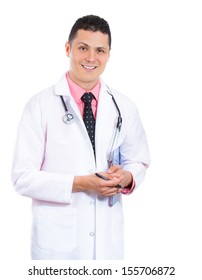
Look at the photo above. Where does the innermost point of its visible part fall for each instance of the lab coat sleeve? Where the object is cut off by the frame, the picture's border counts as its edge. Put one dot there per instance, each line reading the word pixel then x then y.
pixel 27 175
pixel 134 151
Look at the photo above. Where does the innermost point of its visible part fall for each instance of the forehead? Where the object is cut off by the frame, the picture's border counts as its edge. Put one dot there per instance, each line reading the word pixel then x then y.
pixel 91 38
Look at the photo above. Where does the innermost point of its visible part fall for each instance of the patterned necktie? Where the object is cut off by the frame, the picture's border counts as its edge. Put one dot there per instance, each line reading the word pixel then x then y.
pixel 88 117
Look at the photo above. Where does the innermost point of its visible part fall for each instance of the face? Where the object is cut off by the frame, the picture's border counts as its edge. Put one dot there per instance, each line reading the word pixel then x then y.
pixel 88 53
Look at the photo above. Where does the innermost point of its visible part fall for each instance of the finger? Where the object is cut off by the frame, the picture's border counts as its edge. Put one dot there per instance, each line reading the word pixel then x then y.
pixel 113 169
pixel 110 191
pixel 116 180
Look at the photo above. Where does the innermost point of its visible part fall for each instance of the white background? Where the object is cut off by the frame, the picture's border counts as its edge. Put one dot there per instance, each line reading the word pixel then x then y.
pixel 156 59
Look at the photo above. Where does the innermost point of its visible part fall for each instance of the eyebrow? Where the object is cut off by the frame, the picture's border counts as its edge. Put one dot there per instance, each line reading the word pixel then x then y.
pixel 86 45
pixel 82 43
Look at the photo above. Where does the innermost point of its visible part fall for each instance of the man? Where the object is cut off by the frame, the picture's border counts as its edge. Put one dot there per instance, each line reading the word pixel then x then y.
pixel 60 158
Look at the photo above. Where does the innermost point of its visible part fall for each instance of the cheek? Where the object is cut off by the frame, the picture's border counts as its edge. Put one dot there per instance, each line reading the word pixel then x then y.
pixel 76 58
pixel 104 62
pixel 73 60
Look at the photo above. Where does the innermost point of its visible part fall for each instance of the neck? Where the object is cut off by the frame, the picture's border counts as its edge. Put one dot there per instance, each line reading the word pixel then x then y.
pixel 86 85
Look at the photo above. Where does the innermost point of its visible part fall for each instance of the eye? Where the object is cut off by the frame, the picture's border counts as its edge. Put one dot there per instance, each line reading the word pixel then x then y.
pixel 100 51
pixel 83 49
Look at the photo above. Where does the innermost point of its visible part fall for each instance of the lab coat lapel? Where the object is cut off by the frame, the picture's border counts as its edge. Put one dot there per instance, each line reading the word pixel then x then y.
pixel 105 117
pixel 103 110
pixel 62 88
pixel 105 123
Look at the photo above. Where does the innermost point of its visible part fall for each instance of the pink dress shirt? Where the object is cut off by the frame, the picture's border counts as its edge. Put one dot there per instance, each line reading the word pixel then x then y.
pixel 77 92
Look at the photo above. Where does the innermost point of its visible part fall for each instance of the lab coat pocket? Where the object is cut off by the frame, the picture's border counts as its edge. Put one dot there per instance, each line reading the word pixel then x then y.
pixel 56 228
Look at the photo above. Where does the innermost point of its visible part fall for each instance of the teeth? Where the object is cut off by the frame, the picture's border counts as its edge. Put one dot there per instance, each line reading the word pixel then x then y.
pixel 89 67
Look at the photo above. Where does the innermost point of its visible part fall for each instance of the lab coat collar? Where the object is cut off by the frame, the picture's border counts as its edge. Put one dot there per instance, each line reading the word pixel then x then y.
pixel 62 87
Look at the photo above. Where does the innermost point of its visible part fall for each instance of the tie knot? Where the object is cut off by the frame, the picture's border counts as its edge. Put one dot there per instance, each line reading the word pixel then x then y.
pixel 87 97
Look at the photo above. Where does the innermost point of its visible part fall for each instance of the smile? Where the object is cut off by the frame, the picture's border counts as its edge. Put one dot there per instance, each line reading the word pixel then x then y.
pixel 87 67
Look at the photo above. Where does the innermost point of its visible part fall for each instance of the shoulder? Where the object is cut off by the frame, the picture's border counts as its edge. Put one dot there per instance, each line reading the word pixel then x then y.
pixel 44 94
pixel 48 95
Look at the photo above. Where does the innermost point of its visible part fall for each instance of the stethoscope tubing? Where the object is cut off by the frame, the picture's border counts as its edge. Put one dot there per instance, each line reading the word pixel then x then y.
pixel 68 118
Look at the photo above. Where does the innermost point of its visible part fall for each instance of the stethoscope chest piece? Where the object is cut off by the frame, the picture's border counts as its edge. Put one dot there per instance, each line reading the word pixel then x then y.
pixel 68 118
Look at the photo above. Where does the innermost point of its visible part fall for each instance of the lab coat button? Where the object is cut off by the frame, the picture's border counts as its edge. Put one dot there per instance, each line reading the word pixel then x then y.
pixel 91 233
pixel 91 202
pixel 91 171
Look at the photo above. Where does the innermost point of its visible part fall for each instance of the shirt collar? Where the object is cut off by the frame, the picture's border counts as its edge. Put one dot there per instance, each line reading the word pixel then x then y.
pixel 77 91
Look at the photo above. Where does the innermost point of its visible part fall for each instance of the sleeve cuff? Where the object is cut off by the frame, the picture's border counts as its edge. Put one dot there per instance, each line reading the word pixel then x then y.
pixel 129 189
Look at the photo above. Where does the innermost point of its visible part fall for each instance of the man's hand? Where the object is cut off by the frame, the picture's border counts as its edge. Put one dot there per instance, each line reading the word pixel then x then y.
pixel 93 184
pixel 116 171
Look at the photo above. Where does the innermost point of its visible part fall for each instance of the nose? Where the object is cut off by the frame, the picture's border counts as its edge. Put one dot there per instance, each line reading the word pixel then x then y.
pixel 91 56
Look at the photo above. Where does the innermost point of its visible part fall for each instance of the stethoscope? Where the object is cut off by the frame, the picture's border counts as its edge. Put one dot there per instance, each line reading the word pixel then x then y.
pixel 117 130
pixel 68 118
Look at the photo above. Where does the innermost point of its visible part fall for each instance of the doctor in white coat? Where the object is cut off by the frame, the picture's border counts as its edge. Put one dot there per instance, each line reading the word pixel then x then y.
pixel 76 214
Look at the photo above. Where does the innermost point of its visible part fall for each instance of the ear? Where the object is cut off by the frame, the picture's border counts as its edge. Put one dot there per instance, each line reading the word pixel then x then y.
pixel 67 48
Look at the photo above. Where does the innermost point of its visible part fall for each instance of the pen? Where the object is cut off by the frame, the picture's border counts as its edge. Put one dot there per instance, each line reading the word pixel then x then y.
pixel 107 179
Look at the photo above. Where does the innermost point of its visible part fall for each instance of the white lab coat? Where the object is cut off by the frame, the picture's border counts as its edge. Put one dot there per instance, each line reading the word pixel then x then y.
pixel 49 153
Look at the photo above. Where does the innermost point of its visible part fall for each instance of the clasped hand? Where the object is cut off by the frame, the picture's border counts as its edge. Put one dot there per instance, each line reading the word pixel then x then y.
pixel 93 184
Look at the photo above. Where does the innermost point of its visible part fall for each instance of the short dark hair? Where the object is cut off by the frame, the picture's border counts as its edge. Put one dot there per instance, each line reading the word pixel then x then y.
pixel 92 23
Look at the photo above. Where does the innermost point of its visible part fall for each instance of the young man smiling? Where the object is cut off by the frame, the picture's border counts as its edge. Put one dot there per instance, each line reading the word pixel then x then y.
pixel 88 52
pixel 76 176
